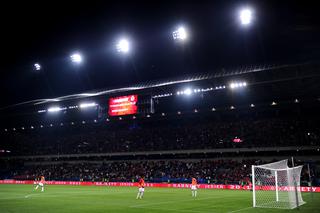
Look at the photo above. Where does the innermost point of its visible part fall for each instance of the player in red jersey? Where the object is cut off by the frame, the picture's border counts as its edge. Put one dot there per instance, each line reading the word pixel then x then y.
pixel 194 188
pixel 140 188
pixel 41 183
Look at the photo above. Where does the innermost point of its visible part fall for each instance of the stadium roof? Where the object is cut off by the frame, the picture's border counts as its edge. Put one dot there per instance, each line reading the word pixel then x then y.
pixel 161 83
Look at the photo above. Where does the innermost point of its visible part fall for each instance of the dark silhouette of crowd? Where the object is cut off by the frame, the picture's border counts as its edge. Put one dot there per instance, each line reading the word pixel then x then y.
pixel 122 136
pixel 169 171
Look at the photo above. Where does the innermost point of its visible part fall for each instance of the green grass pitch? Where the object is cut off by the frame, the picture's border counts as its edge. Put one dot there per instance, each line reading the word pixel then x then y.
pixel 79 199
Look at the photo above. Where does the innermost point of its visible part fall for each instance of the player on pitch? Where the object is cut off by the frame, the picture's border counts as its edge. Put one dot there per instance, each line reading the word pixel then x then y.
pixel 194 187
pixel 140 188
pixel 41 183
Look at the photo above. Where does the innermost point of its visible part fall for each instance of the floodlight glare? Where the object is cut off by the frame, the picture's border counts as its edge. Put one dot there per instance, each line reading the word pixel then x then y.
pixel 245 16
pixel 234 85
pixel 87 105
pixel 187 91
pixel 55 109
pixel 180 34
pixel 76 58
pixel 37 66
pixel 123 46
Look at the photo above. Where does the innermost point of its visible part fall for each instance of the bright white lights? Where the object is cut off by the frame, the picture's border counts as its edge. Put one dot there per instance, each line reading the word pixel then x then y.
pixel 245 16
pixel 234 85
pixel 76 58
pixel 252 105
pixel 180 34
pixel 187 91
pixel 123 46
pixel 55 109
pixel 37 66
pixel 87 105
pixel 273 103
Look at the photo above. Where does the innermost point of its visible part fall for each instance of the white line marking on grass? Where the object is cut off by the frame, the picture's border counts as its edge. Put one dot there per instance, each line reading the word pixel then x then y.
pixel 239 210
pixel 176 210
pixel 173 201
pixel 29 195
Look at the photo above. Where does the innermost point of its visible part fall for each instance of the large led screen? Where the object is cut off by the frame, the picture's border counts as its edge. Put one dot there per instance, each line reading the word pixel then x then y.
pixel 124 105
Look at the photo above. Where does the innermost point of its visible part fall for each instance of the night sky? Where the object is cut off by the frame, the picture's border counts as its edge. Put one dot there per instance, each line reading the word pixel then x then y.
pixel 48 32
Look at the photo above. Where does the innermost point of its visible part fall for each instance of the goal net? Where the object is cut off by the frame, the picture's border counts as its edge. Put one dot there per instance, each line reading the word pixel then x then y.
pixel 275 185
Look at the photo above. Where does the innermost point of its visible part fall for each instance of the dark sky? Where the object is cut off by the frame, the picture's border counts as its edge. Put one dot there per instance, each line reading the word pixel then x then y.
pixel 47 32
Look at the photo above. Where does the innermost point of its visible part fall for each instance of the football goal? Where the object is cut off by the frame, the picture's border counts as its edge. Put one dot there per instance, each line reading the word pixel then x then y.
pixel 275 185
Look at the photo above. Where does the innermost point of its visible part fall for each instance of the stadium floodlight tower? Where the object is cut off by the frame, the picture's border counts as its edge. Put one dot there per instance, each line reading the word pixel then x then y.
pixel 245 16
pixel 123 46
pixel 76 58
pixel 180 34
pixel 274 185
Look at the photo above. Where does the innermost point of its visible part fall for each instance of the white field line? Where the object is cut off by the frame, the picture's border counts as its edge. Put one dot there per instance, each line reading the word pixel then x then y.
pixel 175 201
pixel 46 194
pixel 176 210
pixel 239 210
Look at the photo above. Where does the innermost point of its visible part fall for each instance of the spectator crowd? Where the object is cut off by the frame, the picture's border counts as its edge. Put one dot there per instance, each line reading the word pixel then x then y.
pixel 162 135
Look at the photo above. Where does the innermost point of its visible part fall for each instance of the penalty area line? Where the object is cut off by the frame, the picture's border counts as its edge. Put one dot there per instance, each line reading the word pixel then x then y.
pixel 176 210
pixel 239 210
pixel 174 201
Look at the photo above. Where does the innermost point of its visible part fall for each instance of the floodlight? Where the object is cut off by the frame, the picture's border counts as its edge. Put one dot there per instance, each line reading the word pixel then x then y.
pixel 76 58
pixel 55 109
pixel 180 34
pixel 37 66
pixel 123 46
pixel 87 105
pixel 234 85
pixel 187 91
pixel 245 16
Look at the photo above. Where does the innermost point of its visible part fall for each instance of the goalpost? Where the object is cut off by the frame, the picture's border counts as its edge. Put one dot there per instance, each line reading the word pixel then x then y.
pixel 275 185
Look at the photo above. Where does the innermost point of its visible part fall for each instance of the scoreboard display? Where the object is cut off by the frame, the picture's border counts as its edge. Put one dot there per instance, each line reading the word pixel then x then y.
pixel 123 105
